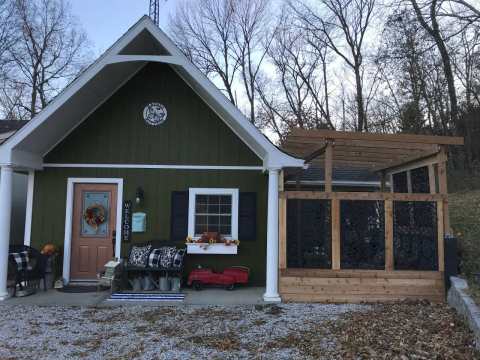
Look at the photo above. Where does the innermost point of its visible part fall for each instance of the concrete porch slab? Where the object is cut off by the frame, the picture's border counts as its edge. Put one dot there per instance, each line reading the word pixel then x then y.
pixel 53 297
pixel 212 296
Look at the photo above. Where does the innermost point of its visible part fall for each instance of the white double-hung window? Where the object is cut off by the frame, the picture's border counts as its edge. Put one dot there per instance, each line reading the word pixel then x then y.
pixel 213 210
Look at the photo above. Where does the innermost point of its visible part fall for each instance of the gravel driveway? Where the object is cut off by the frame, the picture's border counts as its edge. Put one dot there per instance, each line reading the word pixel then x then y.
pixel 286 331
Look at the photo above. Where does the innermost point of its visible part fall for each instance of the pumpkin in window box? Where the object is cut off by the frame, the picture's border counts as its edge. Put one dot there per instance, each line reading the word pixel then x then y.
pixel 229 242
pixel 210 238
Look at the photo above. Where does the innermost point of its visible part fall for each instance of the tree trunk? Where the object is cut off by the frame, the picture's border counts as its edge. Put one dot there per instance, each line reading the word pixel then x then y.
pixel 361 121
pixel 325 89
pixel 434 32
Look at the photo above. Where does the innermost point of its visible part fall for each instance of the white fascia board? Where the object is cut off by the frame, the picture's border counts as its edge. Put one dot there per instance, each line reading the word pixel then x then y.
pixel 166 59
pixel 26 159
pixel 279 160
pixel 20 159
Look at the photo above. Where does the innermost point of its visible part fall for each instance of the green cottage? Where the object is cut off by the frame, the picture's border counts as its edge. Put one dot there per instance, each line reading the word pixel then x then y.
pixel 143 126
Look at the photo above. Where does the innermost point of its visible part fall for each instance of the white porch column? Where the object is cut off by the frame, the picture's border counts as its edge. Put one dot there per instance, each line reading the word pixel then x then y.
pixel 6 183
pixel 271 293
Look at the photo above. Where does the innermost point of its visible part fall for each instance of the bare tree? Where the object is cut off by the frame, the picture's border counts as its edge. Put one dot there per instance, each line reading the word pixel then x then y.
pixel 204 31
pixel 427 15
pixel 7 34
pixel 8 38
pixel 49 52
pixel 295 95
pixel 228 40
pixel 285 96
pixel 466 61
pixel 253 35
pixel 350 20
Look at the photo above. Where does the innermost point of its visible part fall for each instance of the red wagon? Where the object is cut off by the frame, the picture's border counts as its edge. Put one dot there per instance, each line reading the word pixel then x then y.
pixel 230 277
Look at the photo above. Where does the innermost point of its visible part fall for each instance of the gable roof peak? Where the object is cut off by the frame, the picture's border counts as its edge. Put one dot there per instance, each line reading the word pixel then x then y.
pixel 111 71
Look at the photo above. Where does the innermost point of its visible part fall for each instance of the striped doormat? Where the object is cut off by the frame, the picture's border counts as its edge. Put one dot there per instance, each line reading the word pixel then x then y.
pixel 146 297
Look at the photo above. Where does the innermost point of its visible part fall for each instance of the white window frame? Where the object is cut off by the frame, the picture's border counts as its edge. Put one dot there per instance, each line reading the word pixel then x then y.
pixel 193 192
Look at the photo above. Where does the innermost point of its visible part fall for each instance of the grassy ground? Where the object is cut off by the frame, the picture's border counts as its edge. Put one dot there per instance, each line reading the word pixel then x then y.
pixel 465 222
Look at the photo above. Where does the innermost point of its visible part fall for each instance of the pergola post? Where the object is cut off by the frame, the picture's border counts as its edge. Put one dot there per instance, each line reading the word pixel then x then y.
pixel 383 181
pixel 336 247
pixel 442 182
pixel 271 291
pixel 328 166
pixel 432 184
pixel 6 185
pixel 443 189
pixel 389 260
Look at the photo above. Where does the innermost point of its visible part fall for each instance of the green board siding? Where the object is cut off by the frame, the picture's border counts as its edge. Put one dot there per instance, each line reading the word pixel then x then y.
pixel 48 222
pixel 116 132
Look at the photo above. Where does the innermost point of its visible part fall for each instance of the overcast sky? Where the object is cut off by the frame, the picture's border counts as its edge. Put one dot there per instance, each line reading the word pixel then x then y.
pixel 106 20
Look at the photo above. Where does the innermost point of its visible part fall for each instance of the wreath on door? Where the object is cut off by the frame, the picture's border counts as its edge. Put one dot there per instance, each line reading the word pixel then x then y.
pixel 95 215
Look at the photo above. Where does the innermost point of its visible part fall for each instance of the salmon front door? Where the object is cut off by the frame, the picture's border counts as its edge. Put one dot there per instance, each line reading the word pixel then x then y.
pixel 93 229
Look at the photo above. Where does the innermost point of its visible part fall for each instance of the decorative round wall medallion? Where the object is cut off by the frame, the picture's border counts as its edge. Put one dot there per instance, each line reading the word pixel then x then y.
pixel 155 114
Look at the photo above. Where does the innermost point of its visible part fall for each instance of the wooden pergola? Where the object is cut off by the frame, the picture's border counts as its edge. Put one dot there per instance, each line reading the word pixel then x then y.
pixel 383 153
pixel 386 154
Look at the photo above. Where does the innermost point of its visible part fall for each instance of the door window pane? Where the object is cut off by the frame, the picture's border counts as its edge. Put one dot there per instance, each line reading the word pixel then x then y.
pixel 95 212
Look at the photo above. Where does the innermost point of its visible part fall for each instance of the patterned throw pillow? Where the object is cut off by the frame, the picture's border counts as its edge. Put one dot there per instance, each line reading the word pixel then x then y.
pixel 139 255
pixel 166 259
pixel 22 260
pixel 154 258
pixel 178 259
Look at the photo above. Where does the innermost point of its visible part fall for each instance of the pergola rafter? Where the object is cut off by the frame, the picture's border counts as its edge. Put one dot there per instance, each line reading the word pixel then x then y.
pixel 379 152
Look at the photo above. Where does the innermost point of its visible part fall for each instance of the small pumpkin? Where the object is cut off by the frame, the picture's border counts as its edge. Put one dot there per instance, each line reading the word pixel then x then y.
pixel 49 249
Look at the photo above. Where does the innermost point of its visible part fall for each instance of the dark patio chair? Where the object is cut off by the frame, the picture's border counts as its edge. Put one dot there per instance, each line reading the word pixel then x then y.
pixel 37 262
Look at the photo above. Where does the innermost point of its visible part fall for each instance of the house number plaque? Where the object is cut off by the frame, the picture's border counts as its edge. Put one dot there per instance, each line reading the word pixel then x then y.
pixel 155 114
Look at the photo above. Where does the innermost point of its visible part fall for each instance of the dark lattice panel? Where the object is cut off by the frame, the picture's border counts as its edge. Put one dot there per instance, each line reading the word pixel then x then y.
pixel 415 235
pixel 309 235
pixel 400 183
pixel 419 179
pixel 362 234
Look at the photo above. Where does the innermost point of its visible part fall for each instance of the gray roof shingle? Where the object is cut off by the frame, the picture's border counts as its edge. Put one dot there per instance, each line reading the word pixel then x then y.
pixel 353 175
pixel 11 125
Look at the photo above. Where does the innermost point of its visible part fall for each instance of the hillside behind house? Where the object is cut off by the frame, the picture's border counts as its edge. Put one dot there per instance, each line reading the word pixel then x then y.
pixel 464 202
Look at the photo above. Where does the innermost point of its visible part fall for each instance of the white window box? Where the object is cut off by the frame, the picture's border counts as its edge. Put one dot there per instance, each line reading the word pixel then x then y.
pixel 207 249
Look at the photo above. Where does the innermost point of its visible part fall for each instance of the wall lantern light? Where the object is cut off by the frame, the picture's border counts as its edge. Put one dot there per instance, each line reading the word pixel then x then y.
pixel 139 195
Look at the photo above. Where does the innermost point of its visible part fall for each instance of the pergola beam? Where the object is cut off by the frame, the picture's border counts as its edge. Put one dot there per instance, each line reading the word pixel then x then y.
pixel 399 138
pixel 315 154
pixel 421 161
pixel 293 141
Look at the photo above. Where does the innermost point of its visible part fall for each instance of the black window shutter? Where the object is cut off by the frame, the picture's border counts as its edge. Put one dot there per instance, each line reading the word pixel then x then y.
pixel 247 216
pixel 179 216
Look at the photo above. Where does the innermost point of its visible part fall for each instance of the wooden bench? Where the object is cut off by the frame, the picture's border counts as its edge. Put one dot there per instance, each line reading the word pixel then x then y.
pixel 152 271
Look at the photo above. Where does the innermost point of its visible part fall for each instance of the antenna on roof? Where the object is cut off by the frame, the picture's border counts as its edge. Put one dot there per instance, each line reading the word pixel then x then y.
pixel 155 11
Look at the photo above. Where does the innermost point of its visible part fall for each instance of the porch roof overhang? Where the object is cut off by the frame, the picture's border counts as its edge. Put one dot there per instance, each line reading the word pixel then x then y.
pixel 127 56
pixel 377 152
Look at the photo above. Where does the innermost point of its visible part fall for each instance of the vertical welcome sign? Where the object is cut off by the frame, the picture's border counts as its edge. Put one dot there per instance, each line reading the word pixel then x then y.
pixel 127 221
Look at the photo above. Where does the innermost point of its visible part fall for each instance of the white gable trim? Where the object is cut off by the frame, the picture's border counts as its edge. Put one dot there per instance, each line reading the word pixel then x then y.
pixel 272 157
pixel 167 59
